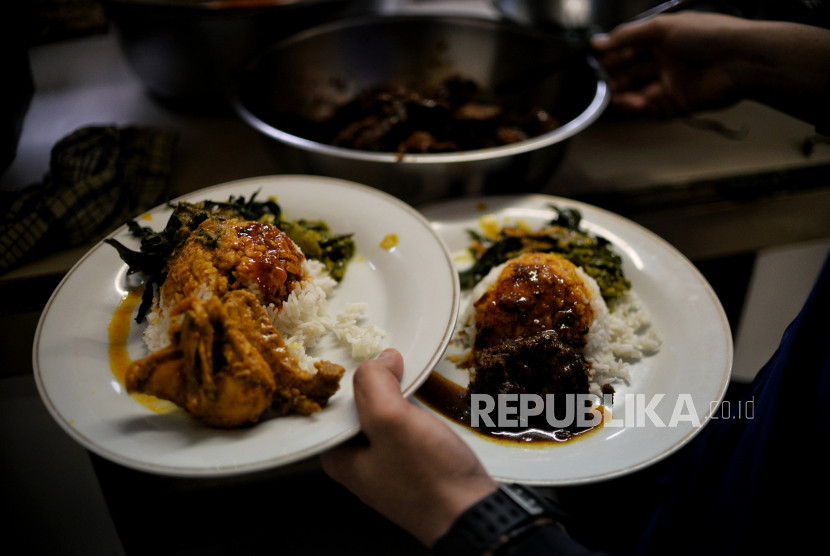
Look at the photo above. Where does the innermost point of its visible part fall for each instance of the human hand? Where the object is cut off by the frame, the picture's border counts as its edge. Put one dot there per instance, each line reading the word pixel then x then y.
pixel 414 470
pixel 672 64
pixel 677 63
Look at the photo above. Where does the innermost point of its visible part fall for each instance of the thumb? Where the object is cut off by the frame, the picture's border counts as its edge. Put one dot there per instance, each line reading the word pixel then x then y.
pixel 377 389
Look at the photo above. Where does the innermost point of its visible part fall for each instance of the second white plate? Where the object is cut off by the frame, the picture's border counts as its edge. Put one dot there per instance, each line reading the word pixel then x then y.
pixel 671 395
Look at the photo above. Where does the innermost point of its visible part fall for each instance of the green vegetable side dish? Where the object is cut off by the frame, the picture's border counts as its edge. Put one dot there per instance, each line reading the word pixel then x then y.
pixel 562 235
pixel 314 238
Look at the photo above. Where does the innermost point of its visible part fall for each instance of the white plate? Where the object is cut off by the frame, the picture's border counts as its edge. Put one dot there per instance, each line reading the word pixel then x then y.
pixel 417 309
pixel 692 367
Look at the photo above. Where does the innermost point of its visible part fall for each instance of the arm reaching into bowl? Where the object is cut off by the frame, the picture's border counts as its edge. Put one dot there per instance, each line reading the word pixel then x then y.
pixel 677 63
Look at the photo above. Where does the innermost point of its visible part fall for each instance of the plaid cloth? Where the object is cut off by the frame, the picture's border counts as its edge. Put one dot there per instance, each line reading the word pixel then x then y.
pixel 99 177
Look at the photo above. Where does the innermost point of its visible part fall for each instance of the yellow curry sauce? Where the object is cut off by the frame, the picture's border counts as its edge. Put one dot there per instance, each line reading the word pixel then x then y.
pixel 119 356
pixel 119 331
pixel 390 241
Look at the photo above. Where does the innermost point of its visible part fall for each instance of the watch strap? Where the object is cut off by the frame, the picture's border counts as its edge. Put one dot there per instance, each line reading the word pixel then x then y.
pixel 495 520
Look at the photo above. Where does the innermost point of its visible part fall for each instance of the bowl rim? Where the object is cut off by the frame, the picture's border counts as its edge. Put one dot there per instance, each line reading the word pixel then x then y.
pixel 599 102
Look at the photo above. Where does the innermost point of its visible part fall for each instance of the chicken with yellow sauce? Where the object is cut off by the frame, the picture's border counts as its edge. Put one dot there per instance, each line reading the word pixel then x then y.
pixel 226 363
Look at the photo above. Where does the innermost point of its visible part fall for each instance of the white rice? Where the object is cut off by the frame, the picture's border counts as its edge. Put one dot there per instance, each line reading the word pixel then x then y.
pixel 155 333
pixel 366 340
pixel 304 317
pixel 618 337
pixel 303 320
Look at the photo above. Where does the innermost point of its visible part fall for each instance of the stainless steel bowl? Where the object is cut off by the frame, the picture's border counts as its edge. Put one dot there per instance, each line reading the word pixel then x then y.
pixel 312 73
pixel 184 51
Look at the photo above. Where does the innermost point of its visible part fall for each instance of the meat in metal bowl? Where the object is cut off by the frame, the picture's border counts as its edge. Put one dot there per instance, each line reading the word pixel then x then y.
pixel 293 88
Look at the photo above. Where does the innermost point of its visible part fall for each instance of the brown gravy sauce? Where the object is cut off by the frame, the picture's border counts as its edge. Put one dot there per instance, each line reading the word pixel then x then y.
pixel 450 400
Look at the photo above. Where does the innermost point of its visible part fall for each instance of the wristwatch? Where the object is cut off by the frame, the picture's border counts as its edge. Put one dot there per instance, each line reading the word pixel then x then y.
pixel 496 520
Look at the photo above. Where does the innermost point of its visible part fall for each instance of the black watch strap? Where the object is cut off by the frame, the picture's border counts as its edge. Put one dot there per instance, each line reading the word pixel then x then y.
pixel 495 520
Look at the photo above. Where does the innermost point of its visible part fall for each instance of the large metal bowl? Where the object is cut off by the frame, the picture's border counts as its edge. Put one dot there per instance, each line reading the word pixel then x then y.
pixel 312 73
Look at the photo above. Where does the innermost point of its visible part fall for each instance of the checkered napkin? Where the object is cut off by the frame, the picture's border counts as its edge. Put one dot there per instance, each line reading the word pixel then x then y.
pixel 99 177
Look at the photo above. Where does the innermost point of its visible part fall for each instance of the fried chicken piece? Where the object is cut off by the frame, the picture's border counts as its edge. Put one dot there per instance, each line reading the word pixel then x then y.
pixel 225 255
pixel 211 369
pixel 227 365
pixel 297 390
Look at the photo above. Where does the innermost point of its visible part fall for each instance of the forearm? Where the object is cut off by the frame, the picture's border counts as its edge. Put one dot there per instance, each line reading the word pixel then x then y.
pixel 445 506
pixel 786 66
pixel 678 63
